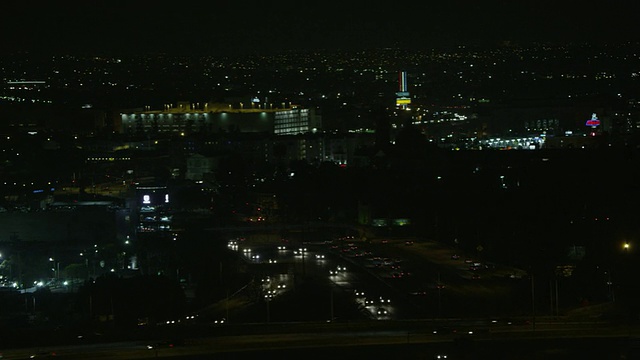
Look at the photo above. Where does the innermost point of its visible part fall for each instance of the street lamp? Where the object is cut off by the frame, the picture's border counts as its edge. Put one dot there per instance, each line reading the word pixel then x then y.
pixel 56 269
pixel 626 246
pixel 267 298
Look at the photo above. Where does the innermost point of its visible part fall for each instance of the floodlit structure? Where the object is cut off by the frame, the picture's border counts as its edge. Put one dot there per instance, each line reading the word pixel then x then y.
pixel 209 118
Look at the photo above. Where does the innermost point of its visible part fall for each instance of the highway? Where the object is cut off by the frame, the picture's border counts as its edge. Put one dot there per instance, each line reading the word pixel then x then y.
pixel 515 337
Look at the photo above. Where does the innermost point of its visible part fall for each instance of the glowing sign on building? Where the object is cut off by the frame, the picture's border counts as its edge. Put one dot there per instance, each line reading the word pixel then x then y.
pixel 152 196
pixel 403 98
pixel 402 81
pixel 594 121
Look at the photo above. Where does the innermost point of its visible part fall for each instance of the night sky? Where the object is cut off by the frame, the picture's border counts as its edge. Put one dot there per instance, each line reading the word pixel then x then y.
pixel 227 27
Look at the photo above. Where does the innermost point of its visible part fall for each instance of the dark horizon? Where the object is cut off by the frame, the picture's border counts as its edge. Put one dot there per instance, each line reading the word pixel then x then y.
pixel 228 29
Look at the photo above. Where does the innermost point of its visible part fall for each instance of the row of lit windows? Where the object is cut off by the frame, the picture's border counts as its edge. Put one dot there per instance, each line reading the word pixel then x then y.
pixel 284 118
pixel 147 116
pixel 290 125
pixel 290 121
pixel 108 159
pixel 291 130
pixel 172 125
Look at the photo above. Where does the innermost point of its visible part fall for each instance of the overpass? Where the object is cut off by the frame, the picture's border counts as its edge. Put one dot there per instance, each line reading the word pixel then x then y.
pixel 552 339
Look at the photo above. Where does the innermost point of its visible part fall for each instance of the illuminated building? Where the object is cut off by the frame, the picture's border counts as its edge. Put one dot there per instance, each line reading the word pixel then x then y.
pixel 402 96
pixel 154 209
pixel 211 118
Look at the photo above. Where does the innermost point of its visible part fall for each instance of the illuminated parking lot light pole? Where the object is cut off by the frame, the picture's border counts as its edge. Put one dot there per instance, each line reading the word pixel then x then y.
pixel 626 248
pixel 267 298
pixel 56 268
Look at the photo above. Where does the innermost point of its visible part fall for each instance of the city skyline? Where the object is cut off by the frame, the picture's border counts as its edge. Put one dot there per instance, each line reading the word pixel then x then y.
pixel 156 187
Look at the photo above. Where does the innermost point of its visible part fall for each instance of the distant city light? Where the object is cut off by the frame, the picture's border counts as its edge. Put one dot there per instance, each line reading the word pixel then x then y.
pixel 594 121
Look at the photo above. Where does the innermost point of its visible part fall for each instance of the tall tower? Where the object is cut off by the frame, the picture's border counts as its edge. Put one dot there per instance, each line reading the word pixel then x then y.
pixel 402 96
